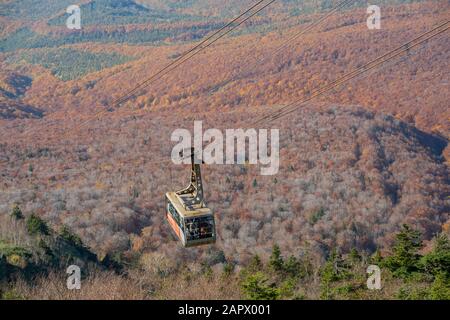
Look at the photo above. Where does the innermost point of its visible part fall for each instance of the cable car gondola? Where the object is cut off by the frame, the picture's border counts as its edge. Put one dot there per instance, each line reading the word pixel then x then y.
pixel 190 219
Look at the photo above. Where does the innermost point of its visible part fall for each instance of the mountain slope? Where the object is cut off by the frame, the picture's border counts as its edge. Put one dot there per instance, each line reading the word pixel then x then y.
pixel 347 178
pixel 13 86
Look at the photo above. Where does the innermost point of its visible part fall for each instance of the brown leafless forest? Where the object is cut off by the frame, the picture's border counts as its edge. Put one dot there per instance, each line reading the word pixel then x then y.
pixel 355 165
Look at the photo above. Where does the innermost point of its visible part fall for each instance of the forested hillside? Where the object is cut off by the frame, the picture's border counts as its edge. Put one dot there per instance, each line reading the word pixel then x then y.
pixel 407 274
pixel 347 178
pixel 247 72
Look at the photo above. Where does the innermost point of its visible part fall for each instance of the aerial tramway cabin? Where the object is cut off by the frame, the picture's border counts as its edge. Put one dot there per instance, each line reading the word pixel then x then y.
pixel 189 217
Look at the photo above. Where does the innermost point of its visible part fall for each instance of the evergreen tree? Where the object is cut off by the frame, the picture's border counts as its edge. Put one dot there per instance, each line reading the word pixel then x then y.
pixel 276 260
pixel 440 289
pixel 336 268
pixel 255 264
pixel 438 260
pixel 16 213
pixel 405 258
pixel 292 267
pixel 376 258
pixel 354 256
pixel 36 225
pixel 256 287
pixel 70 237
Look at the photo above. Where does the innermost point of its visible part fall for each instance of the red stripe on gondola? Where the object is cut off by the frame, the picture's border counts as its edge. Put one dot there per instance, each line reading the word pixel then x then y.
pixel 174 225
